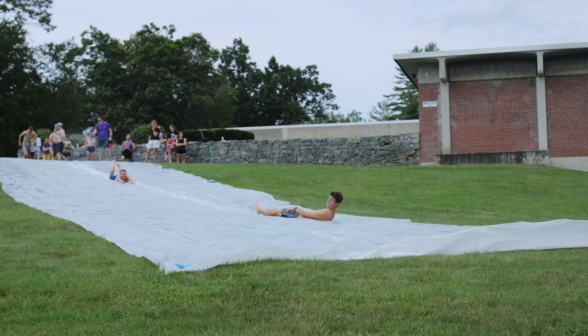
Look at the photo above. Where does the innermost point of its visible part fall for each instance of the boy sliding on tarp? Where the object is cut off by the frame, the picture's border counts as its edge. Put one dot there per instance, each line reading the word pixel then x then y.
pixel 326 214
pixel 122 174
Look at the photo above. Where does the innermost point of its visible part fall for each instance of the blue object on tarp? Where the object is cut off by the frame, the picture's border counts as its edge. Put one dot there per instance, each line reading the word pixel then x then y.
pixel 10 184
pixel 180 265
pixel 211 181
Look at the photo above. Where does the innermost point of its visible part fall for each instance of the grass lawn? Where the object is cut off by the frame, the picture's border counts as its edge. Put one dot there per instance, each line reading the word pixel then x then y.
pixel 56 278
pixel 465 195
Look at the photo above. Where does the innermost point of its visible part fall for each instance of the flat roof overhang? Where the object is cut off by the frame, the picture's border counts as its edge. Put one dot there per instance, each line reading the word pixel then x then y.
pixel 408 63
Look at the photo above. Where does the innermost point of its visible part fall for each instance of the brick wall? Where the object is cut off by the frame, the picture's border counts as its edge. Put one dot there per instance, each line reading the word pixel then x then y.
pixel 429 122
pixel 493 116
pixel 567 115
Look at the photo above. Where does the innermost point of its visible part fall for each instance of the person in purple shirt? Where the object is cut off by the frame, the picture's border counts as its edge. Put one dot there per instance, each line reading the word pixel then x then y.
pixel 127 147
pixel 104 132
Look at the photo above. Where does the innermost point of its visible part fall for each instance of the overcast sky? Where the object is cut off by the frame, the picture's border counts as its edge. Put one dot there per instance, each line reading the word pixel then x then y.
pixel 351 42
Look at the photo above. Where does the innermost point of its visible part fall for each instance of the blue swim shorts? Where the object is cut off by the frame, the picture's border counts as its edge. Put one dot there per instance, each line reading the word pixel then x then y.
pixel 113 177
pixel 102 143
pixel 59 147
pixel 289 213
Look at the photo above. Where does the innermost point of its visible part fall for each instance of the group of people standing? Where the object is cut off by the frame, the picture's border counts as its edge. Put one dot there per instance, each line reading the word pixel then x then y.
pixel 55 147
pixel 173 141
pixel 99 139
pixel 58 147
pixel 103 131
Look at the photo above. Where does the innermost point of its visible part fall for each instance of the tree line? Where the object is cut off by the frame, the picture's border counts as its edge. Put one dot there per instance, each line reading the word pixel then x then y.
pixel 154 75
pixel 150 75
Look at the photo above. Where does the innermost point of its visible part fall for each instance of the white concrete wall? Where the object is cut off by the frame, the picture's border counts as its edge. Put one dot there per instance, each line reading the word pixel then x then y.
pixel 576 163
pixel 325 131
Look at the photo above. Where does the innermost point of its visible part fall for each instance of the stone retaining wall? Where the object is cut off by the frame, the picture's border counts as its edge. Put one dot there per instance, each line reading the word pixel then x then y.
pixel 397 150
pixel 79 154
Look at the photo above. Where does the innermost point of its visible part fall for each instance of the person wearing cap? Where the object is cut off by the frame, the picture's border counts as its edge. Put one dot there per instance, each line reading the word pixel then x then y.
pixel 57 138
pixel 104 132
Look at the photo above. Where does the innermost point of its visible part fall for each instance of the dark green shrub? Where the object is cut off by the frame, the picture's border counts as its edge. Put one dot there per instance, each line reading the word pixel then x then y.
pixel 77 139
pixel 140 134
pixel 234 134
pixel 194 135
pixel 218 134
pixel 43 133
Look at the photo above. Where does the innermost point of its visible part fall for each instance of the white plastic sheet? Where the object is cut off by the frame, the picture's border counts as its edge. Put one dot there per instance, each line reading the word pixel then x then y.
pixel 172 217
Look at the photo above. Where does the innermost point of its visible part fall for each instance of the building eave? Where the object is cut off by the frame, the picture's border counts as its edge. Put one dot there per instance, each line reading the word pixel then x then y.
pixel 408 62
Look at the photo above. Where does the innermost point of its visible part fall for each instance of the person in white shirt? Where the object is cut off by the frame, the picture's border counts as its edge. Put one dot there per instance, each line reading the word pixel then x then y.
pixel 154 141
pixel 36 147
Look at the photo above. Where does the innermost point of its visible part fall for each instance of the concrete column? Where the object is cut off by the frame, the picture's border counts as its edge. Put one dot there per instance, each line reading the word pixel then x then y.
pixel 541 105
pixel 540 70
pixel 445 117
pixel 442 70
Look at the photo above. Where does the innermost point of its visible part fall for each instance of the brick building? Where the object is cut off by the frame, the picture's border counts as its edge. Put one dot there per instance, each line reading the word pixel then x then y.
pixel 516 104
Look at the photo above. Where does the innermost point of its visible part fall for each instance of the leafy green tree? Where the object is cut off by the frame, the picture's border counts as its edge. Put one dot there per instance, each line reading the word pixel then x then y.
pixel 292 95
pixel 354 116
pixel 382 111
pixel 245 77
pixel 332 118
pixel 404 102
pixel 29 96
pixel 154 76
pixel 23 11
pixel 35 89
pixel 18 83
pixel 57 64
pixel 278 95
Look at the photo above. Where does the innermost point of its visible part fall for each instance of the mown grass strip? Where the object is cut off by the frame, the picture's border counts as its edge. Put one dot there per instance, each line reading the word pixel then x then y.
pixel 463 195
pixel 56 278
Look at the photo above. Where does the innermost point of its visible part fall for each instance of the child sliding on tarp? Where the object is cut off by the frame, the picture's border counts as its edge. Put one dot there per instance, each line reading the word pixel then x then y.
pixel 122 174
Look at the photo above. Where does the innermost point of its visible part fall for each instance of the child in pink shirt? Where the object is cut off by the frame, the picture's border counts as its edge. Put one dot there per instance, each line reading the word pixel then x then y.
pixel 169 150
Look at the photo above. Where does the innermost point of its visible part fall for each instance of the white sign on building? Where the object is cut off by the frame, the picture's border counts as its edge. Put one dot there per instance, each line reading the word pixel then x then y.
pixel 430 104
